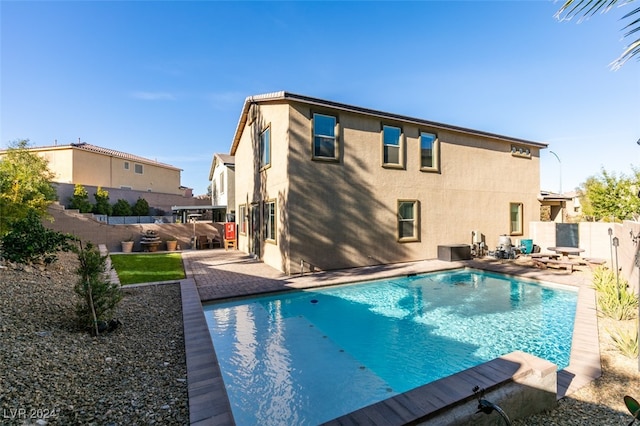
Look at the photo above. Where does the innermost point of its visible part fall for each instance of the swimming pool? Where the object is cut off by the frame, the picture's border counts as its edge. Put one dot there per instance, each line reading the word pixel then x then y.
pixel 306 357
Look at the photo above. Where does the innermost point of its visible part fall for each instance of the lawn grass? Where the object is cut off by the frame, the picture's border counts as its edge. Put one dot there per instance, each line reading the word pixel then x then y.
pixel 144 268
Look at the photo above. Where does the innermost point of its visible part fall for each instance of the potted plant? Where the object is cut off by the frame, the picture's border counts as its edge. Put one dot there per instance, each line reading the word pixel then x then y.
pixel 127 245
pixel 171 245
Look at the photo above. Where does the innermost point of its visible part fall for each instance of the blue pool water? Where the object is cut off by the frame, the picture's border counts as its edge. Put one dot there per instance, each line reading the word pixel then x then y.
pixel 306 357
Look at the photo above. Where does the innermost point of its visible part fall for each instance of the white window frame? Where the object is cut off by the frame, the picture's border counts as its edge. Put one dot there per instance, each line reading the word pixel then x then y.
pixel 242 219
pixel 516 222
pixel 265 148
pixel 415 221
pixel 435 153
pixel 386 146
pixel 269 220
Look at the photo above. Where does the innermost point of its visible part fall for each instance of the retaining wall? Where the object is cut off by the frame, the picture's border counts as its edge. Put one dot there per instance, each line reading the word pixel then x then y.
pixel 85 227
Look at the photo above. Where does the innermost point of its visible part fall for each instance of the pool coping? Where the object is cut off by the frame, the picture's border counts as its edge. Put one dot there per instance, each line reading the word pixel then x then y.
pixel 208 400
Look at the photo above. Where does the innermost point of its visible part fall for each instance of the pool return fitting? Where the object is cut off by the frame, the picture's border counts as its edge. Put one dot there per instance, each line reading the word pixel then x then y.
pixel 488 407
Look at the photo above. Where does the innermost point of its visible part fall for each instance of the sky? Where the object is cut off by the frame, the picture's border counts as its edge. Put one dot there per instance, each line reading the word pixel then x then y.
pixel 166 80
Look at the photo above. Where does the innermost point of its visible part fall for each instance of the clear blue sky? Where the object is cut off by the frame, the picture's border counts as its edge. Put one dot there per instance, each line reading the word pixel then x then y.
pixel 167 80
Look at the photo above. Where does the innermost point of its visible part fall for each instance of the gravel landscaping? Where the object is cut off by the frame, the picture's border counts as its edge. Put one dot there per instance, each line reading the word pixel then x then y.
pixel 53 373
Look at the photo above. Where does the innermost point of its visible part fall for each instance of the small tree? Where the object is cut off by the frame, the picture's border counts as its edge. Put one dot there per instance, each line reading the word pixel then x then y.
pixel 102 205
pixel 121 208
pixel 80 199
pixel 610 197
pixel 29 241
pixel 141 207
pixel 25 184
pixel 99 296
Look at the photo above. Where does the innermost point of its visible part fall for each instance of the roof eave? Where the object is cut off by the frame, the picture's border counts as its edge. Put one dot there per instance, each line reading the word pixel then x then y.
pixel 275 96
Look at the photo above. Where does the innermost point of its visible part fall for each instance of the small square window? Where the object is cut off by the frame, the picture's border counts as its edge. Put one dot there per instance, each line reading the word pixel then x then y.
pixel 137 168
pixel 126 165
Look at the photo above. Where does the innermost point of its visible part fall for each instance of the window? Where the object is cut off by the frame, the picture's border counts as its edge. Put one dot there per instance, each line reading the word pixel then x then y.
pixel 428 152
pixel 242 219
pixel 270 220
pixel 222 182
pixel 408 229
pixel 126 165
pixel 137 168
pixel 515 218
pixel 265 148
pixel 391 137
pixel 324 136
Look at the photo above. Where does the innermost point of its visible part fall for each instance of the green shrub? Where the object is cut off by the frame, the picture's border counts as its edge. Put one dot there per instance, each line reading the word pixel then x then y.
pixel 28 241
pixel 80 199
pixel 121 208
pixel 99 296
pixel 626 341
pixel 614 300
pixel 141 207
pixel 102 205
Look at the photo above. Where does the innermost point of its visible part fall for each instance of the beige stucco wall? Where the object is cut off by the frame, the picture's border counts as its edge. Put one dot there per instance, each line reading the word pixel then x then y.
pixel 78 166
pixel 253 185
pixel 60 163
pixel 343 214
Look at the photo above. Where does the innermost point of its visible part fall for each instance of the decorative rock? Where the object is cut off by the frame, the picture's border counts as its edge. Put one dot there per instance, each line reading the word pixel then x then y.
pixel 51 362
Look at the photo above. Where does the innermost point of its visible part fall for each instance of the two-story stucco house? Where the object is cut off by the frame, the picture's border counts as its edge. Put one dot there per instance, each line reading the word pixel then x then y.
pixel 337 186
pixel 222 178
pixel 125 175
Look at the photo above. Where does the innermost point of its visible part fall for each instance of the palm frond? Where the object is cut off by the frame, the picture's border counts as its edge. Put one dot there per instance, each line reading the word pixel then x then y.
pixel 584 8
pixel 587 8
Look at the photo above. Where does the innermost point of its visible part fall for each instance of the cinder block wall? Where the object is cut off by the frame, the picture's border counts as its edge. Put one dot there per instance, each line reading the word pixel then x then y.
pixel 90 230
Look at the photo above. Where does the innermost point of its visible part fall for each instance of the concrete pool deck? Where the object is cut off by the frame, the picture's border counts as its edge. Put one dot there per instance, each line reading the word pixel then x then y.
pixel 217 274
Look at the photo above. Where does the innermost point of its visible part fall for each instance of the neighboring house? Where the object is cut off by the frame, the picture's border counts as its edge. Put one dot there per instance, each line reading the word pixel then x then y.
pixel 223 177
pixel 560 208
pixel 124 175
pixel 334 186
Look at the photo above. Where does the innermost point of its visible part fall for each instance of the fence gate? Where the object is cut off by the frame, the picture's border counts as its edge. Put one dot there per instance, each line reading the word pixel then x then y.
pixel 567 235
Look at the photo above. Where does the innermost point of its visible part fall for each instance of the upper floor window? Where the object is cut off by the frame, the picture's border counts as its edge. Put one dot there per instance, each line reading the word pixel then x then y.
pixel 515 218
pixel 137 168
pixel 324 136
pixel 126 165
pixel 391 146
pixel 429 152
pixel 408 223
pixel 265 148
pixel 222 191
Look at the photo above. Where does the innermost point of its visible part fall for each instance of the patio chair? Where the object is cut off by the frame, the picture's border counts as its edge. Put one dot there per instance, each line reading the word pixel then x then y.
pixel 216 241
pixel 202 242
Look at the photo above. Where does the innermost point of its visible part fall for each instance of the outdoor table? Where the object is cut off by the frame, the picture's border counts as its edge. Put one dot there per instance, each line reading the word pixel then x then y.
pixel 566 251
